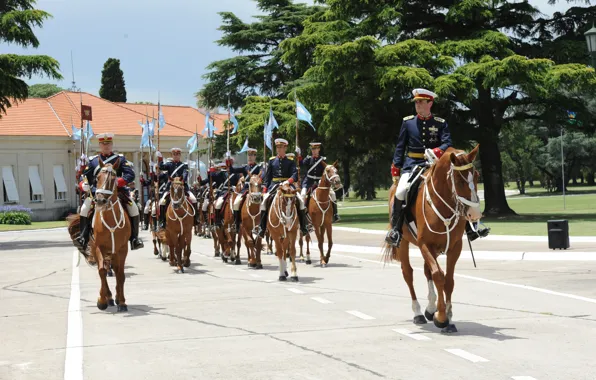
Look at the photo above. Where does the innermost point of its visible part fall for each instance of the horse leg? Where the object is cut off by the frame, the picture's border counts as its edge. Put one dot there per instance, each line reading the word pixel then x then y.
pixel 172 253
pixel 292 250
pixel 320 241
pixel 440 317
pixel 432 296
pixel 301 243
pixel 403 255
pixel 120 278
pixel 258 248
pixel 179 248
pixel 308 261
pixel 102 301
pixel 329 241
pixel 155 250
pixel 187 250
pixel 236 245
pixel 452 258
pixel 282 262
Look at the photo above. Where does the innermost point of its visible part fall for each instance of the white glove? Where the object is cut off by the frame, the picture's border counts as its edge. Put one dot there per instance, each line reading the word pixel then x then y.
pixel 84 159
pixel 85 186
pixel 158 154
pixel 298 151
pixel 285 183
pixel 228 155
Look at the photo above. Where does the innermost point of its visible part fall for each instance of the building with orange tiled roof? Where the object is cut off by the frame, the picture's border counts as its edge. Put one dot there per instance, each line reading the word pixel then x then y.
pixel 38 154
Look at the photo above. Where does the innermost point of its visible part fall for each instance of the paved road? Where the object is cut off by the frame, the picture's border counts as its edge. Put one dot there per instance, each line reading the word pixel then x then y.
pixel 351 320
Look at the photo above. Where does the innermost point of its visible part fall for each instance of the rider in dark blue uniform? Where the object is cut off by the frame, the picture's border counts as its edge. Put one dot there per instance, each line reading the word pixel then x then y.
pixel 246 170
pixel 416 135
pixel 280 169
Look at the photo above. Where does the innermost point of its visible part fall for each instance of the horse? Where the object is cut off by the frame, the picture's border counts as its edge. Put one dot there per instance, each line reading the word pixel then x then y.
pixel 321 213
pixel 179 225
pixel 160 242
pixel 445 199
pixel 283 228
pixel 250 217
pixel 227 233
pixel 111 232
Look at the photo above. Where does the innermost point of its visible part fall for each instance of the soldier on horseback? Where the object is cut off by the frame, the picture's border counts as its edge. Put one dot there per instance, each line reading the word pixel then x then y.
pixel 416 135
pixel 125 173
pixel 247 170
pixel 219 180
pixel 281 169
pixel 175 169
pixel 316 167
pixel 150 205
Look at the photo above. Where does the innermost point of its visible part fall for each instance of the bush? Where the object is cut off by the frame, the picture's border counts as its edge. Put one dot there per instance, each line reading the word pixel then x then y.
pixel 15 215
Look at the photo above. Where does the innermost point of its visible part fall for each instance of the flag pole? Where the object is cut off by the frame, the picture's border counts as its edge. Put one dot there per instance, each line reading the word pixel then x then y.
pixel 297 161
pixel 228 144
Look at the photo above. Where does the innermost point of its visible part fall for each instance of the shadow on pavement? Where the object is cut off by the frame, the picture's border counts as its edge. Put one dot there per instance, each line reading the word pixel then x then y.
pixel 474 329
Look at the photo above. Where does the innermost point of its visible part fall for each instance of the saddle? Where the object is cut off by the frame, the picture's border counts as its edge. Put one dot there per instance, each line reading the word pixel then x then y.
pixel 414 183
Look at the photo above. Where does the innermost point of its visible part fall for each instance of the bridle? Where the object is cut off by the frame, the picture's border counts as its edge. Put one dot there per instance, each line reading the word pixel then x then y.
pixel 330 180
pixel 461 203
pixel 287 217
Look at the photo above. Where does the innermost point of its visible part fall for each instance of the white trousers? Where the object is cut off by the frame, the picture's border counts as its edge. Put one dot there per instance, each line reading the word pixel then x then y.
pixel 402 186
pixel 301 205
pixel 162 201
pixel 237 202
pixel 132 208
pixel 147 206
pixel 331 194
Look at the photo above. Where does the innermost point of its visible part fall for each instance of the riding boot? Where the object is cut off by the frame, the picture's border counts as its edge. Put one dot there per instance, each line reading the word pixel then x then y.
pixel 195 206
pixel 473 235
pixel 146 221
pixel 154 222
pixel 83 238
pixel 218 218
pixel 135 242
pixel 237 219
pixel 335 216
pixel 397 218
pixel 263 225
pixel 162 216
pixel 302 220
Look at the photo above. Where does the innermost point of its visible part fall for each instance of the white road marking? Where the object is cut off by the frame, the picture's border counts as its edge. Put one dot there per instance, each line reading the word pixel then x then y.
pixel 320 300
pixel 255 275
pixel 409 334
pixel 522 378
pixel 526 287
pixel 269 280
pixel 358 314
pixel 23 366
pixel 241 270
pixel 73 362
pixel 466 355
pixel 294 290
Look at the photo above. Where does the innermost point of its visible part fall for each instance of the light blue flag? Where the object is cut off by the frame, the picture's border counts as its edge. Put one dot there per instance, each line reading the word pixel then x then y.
pixel 267 135
pixel 162 119
pixel 303 114
pixel 89 131
pixel 191 141
pixel 145 142
pixel 76 133
pixel 245 146
pixel 233 119
pixel 272 122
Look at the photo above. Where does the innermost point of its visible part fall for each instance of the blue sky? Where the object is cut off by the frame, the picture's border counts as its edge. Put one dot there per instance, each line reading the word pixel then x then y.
pixel 162 45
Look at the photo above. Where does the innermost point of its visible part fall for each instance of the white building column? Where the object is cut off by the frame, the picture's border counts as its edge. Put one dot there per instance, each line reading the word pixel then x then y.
pixel 137 164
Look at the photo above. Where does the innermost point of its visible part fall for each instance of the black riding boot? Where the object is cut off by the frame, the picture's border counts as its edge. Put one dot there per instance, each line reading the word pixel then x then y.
pixel 263 225
pixel 237 220
pixel 146 221
pixel 85 230
pixel 473 235
pixel 135 242
pixel 302 220
pixel 195 206
pixel 162 216
pixel 397 219
pixel 335 216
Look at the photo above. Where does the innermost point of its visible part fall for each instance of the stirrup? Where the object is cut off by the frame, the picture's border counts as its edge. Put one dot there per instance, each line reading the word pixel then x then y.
pixel 393 238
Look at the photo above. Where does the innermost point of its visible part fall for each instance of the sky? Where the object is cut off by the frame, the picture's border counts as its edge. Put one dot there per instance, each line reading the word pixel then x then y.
pixel 163 46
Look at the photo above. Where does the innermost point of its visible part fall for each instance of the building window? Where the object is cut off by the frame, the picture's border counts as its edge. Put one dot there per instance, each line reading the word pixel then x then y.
pixel 9 186
pixel 59 183
pixel 35 186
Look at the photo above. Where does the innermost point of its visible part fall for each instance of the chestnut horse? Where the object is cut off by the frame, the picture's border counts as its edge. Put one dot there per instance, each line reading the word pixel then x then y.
pixel 250 217
pixel 321 212
pixel 446 199
pixel 179 225
pixel 283 228
pixel 227 233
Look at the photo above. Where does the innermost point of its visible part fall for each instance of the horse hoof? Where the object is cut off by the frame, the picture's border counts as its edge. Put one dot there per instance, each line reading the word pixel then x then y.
pixel 187 263
pixel 156 252
pixel 122 308
pixel 286 272
pixel 294 278
pixel 102 306
pixel 117 302
pixel 259 266
pixel 283 278
pixel 419 320
pixel 163 258
pixel 238 262
pixel 224 259
pixel 111 303
pixel 180 269
pixel 110 273
pixel 308 262
pixel 440 324
pixel 252 265
pixel 216 254
pixel 450 329
pixel 172 264
pixel 428 315
pixel 323 264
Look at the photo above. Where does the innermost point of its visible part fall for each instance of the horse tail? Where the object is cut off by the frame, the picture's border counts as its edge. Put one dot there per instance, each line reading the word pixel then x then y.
pixel 74 230
pixel 389 253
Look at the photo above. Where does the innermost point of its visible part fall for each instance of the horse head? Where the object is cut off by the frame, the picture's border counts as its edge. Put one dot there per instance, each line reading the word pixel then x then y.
pixel 106 183
pixel 464 181
pixel 177 193
pixel 255 187
pixel 332 176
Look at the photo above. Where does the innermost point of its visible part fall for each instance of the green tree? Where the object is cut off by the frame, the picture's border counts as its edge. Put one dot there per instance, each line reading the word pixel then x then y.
pixel 112 81
pixel 44 90
pixel 257 68
pixel 17 20
pixel 522 146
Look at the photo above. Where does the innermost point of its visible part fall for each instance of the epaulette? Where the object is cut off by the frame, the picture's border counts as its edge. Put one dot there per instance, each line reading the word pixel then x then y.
pixel 440 120
pixel 290 158
pixel 92 157
pixel 272 158
pixel 409 117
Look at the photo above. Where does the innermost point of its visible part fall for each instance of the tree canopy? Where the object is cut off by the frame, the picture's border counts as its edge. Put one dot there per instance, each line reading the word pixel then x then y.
pixel 112 81
pixel 44 90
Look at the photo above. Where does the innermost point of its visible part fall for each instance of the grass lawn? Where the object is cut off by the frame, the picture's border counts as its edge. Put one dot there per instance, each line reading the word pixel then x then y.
pixel 533 213
pixel 33 226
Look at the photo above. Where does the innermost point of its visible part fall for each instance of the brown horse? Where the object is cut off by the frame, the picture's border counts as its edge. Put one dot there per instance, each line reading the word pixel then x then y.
pixel 321 212
pixel 158 234
pixel 283 228
pixel 179 225
pixel 250 217
pixel 227 232
pixel 446 198
pixel 111 231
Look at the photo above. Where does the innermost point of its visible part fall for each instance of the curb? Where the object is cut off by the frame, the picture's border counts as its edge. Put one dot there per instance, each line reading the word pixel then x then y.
pixel 538 239
pixel 33 230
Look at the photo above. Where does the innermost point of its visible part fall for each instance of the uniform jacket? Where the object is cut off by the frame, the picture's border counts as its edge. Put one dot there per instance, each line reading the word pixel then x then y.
pixel 125 169
pixel 279 170
pixel 312 174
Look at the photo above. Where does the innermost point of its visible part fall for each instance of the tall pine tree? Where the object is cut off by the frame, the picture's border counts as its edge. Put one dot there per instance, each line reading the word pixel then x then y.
pixel 112 81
